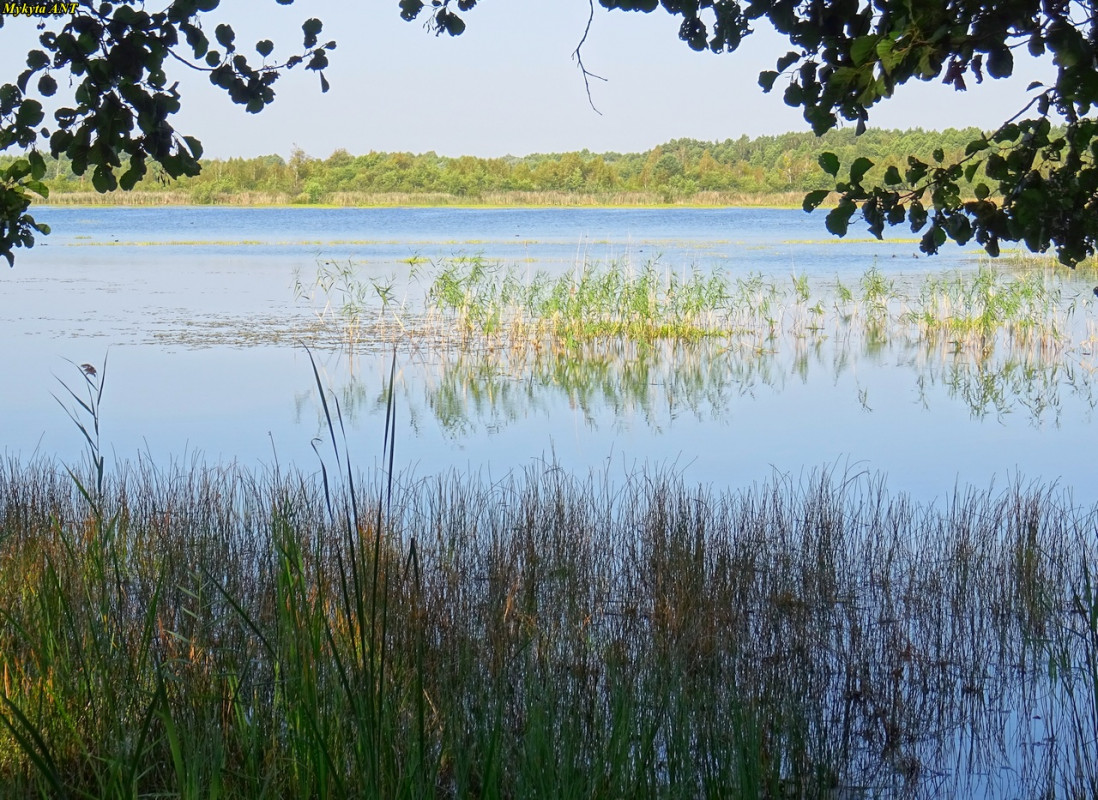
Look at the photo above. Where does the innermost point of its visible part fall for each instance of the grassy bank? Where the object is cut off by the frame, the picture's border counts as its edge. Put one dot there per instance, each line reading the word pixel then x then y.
pixel 219 633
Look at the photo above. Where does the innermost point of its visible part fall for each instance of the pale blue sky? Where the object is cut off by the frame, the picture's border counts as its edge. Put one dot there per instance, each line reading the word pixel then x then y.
pixel 509 86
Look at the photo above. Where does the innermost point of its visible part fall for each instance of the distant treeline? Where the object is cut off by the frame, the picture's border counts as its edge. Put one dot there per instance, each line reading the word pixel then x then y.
pixel 681 171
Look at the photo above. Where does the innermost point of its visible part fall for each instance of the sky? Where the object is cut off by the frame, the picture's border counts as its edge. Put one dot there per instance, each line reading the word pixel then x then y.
pixel 509 86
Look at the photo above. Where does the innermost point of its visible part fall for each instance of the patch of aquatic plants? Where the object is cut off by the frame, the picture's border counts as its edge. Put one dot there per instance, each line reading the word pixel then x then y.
pixel 652 302
pixel 216 632
pixel 471 303
pixel 589 301
pixel 353 301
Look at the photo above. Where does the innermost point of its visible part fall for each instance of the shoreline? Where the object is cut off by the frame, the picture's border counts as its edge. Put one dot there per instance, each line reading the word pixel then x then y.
pixel 784 201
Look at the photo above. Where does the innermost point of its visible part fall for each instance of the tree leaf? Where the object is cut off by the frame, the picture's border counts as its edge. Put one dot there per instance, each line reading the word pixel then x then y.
pixel 862 48
pixel 812 200
pixel 829 162
pixel 838 219
pixel 1000 62
pixel 225 36
pixel 859 168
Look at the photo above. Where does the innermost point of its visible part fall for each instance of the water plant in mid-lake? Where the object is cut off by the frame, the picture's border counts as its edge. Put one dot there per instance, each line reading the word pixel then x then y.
pixel 470 302
pixel 640 337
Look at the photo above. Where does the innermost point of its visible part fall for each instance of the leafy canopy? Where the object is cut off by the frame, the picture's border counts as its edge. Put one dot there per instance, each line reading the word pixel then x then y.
pixel 1034 182
pixel 118 55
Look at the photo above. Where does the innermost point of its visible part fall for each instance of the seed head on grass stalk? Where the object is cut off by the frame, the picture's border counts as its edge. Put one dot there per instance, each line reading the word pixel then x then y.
pixel 95 382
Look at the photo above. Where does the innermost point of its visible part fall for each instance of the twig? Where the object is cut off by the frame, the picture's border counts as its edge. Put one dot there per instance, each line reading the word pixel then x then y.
pixel 579 58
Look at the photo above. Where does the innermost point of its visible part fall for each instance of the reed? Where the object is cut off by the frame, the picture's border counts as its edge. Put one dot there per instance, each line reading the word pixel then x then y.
pixel 482 302
pixel 215 632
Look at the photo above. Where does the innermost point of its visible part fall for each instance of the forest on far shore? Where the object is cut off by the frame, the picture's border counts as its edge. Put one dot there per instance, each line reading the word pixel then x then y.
pixel 767 169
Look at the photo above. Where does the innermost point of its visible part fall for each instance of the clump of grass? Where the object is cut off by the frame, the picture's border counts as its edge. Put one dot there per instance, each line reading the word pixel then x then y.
pixel 588 302
pixel 472 304
pixel 1025 308
pixel 349 302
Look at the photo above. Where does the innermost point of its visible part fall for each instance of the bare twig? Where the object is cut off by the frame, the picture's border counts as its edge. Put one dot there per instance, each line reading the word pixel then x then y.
pixel 578 57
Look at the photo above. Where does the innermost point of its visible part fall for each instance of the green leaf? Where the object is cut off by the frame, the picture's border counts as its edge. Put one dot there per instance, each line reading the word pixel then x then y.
pixel 812 200
pixel 225 36
pixel 409 9
pixel 194 146
pixel 859 168
pixel 766 79
pixel 37 165
pixel 1000 62
pixel 982 191
pixel 311 28
pixel 838 219
pixel 450 22
pixel 264 47
pixel 103 180
pixel 47 86
pixel 916 215
pixel 794 95
pixel 30 113
pixel 36 60
pixel 862 48
pixel 939 155
pixel 829 162
pixel 892 177
pixel 788 60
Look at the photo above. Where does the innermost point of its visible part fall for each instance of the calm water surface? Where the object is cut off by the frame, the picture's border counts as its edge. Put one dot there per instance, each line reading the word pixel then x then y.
pixel 197 310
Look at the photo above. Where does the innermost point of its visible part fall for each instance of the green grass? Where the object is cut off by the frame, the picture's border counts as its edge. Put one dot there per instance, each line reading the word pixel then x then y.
pixel 472 301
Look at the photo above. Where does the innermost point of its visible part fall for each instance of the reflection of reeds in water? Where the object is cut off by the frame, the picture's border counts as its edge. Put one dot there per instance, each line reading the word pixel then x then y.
pixel 557 637
pixel 614 379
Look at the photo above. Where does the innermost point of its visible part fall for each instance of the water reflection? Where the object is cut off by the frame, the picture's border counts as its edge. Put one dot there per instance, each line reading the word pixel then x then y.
pixel 483 390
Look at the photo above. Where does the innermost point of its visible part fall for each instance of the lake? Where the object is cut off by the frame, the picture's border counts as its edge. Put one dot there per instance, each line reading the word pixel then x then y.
pixel 203 312
pixel 722 509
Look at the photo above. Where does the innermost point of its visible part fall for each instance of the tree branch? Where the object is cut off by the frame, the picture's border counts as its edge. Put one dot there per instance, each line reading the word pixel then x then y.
pixel 578 58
